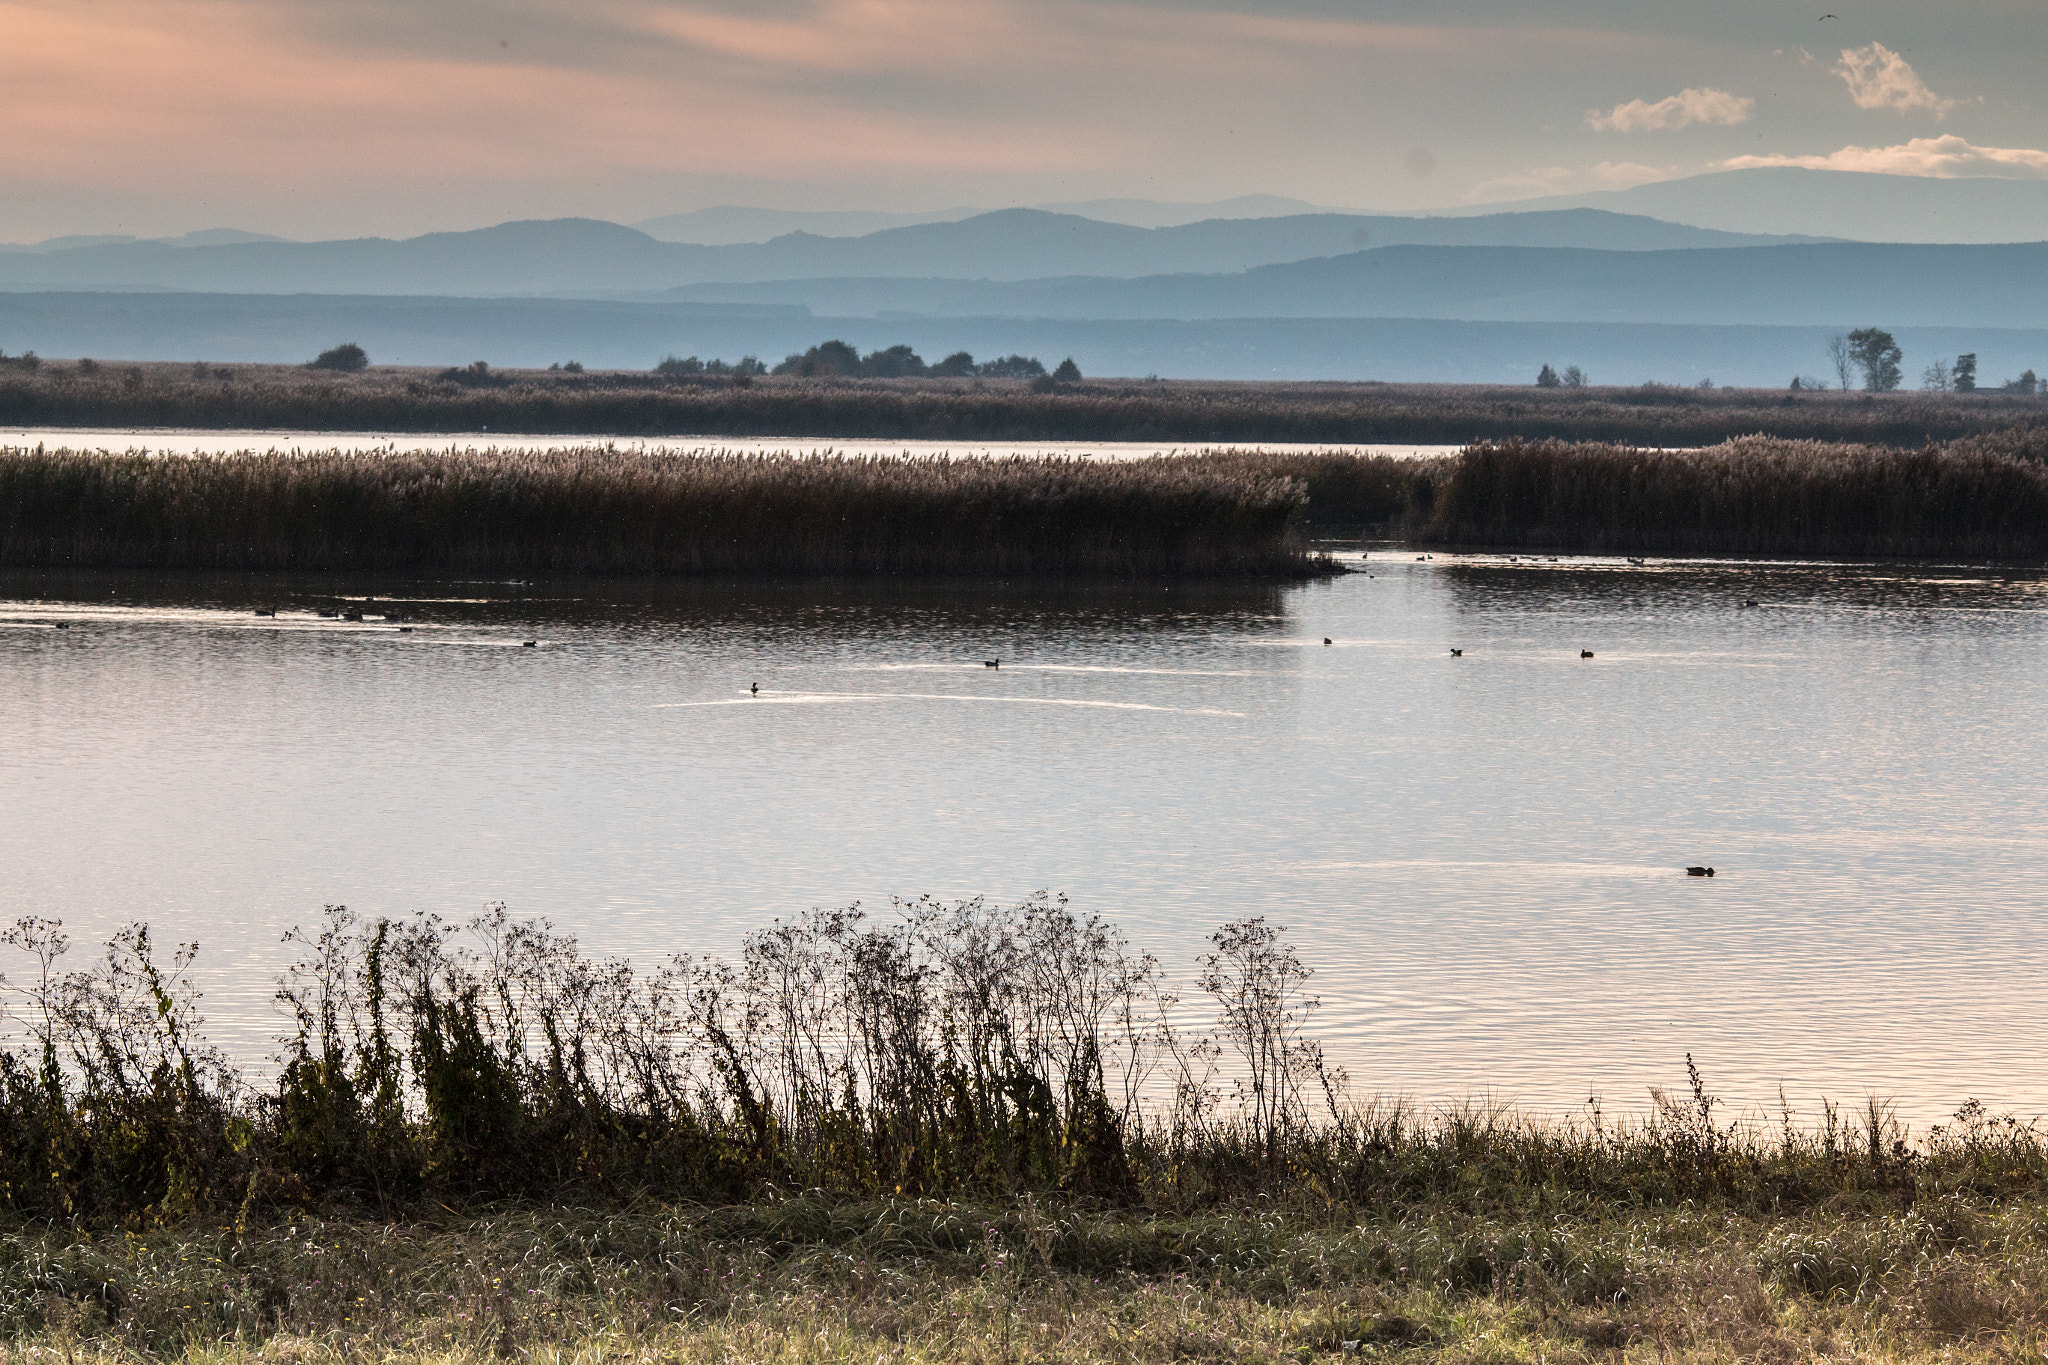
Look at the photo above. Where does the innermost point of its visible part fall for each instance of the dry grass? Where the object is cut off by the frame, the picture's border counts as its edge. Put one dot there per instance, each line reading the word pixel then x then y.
pixel 1178 411
pixel 1983 498
pixel 600 510
pixel 1029 1281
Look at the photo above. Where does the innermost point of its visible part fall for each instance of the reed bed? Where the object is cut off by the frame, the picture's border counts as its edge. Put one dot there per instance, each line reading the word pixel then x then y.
pixel 1982 498
pixel 921 1135
pixel 600 510
pixel 1227 512
pixel 1168 412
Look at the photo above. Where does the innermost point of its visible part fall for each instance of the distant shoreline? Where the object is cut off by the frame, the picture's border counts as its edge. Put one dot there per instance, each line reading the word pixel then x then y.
pixel 639 404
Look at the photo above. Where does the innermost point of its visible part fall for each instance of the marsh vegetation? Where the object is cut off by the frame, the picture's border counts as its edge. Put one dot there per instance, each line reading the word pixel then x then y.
pixel 950 1131
pixel 600 510
pixel 682 402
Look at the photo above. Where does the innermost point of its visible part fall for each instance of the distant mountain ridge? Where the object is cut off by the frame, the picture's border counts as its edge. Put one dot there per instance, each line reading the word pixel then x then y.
pixel 1852 205
pixel 203 237
pixel 581 255
pixel 1836 283
pixel 730 224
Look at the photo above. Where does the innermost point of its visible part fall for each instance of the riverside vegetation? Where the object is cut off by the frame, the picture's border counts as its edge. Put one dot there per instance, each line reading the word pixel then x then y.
pixel 603 510
pixel 479 398
pixel 954 1132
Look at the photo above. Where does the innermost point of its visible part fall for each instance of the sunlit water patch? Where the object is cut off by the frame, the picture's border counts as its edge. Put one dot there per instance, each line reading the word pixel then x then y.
pixel 1482 855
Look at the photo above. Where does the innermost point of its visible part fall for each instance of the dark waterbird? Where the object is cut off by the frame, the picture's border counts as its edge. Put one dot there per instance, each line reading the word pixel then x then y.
pixel 1585 654
pixel 1326 639
pixel 991 663
pixel 1699 872
pixel 754 691
pixel 529 644
pixel 1457 654
pixel 265 611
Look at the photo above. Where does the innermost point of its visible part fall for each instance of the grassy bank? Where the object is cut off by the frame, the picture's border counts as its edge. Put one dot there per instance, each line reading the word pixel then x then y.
pixel 1174 411
pixel 917 1137
pixel 807 1278
pixel 595 510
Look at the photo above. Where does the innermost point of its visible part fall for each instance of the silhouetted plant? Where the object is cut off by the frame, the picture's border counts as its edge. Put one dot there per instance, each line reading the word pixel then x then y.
pixel 347 358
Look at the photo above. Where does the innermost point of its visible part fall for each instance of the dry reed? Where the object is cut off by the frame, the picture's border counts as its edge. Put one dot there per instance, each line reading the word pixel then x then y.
pixel 600 510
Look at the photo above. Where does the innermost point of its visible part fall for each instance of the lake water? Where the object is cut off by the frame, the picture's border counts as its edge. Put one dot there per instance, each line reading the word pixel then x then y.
pixel 1482 856
pixel 178 442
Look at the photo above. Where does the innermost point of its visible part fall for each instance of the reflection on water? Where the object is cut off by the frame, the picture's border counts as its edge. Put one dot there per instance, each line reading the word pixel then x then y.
pixel 1483 855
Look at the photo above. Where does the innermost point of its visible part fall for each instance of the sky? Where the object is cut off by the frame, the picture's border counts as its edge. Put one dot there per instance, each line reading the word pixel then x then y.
pixel 343 118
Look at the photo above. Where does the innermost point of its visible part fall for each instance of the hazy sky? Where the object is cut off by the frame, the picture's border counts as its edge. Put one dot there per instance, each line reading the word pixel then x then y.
pixel 354 117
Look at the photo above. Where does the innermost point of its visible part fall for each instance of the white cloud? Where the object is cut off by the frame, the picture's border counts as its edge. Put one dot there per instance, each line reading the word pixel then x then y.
pixel 1944 158
pixel 1673 111
pixel 1879 78
pixel 1545 180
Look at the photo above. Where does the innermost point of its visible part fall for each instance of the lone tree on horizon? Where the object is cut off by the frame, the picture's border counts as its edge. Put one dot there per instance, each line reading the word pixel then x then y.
pixel 1874 351
pixel 348 358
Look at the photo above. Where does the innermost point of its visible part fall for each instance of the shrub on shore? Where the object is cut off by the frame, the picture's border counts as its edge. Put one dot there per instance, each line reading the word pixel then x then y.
pixel 953 1050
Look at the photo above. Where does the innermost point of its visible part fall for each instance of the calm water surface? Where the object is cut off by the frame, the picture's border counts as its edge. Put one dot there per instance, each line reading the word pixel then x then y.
pixel 1481 855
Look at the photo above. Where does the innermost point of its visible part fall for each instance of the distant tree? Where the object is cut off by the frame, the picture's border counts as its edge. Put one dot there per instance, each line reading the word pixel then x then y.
pixel 1803 383
pixel 1067 373
pixel 897 362
pixel 679 365
pixel 1012 367
pixel 746 367
pixel 87 365
pixel 27 360
pixel 347 358
pixel 1839 357
pixel 1546 378
pixel 475 375
pixel 1964 375
pixel 1045 383
pixel 2026 383
pixel 1878 356
pixel 572 367
pixel 826 358
pixel 1938 377
pixel 959 365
